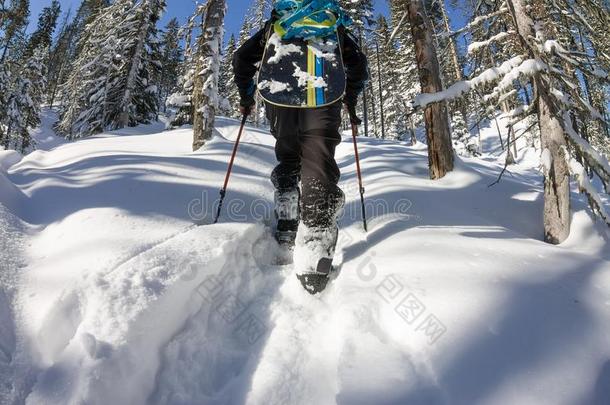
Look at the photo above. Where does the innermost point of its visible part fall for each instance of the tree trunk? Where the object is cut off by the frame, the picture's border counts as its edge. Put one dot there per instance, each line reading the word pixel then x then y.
pixel 136 60
pixel 556 178
pixel 556 216
pixel 457 69
pixel 440 150
pixel 205 87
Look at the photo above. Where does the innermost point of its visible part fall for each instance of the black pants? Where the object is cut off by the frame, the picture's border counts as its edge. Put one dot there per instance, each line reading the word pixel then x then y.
pixel 305 149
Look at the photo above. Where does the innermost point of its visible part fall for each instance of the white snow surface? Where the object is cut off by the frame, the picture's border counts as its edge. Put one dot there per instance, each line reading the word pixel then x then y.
pixel 274 86
pixel 281 49
pixel 112 294
pixel 304 77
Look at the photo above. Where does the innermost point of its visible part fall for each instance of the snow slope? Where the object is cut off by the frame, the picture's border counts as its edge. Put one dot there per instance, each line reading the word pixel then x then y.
pixel 119 297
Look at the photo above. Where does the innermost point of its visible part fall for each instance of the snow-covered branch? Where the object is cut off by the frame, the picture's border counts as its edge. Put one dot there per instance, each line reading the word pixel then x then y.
pixel 593 158
pixel 475 46
pixel 527 68
pixel 585 186
pixel 478 21
pixel 463 87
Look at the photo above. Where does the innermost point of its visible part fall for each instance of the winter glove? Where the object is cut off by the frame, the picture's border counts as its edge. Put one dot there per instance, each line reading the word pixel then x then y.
pixel 246 101
pixel 246 104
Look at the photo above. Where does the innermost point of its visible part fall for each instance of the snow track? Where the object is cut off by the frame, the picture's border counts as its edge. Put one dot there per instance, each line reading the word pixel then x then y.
pixel 120 320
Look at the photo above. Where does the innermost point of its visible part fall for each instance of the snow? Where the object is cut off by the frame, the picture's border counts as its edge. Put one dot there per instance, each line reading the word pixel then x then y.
pixel 117 296
pixel 178 100
pixel 323 48
pixel 8 158
pixel 585 147
pixel 304 77
pixel 462 87
pixel 281 49
pixel 527 68
pixel 306 255
pixel 546 160
pixel 475 46
pixel 274 86
pixel 577 170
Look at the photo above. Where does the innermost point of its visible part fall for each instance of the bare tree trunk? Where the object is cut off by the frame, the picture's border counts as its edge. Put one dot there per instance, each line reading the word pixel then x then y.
pixel 440 149
pixel 130 84
pixel 205 87
pixel 370 85
pixel 556 177
pixel 457 70
pixel 556 174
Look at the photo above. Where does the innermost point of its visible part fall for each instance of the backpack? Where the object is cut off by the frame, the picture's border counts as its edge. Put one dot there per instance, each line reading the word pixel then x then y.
pixel 302 64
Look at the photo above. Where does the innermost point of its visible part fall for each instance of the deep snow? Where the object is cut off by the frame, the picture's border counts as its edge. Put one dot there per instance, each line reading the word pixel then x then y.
pixel 112 294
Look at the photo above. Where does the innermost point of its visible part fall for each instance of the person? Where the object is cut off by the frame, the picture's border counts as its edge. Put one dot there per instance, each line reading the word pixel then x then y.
pixel 307 197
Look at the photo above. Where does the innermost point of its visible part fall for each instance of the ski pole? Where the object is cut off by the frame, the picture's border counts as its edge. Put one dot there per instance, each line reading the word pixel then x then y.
pixel 223 190
pixel 354 133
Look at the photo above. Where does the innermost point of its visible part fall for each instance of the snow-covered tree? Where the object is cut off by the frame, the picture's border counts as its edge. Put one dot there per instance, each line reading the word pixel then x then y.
pixel 66 48
pixel 171 59
pixel 226 86
pixel 387 75
pixel 181 98
pixel 136 94
pixel 42 37
pixel 205 86
pixel 5 79
pixel 14 20
pixel 260 11
pixel 361 14
pixel 246 29
pixel 407 80
pixel 111 84
pixel 536 35
pixel 23 104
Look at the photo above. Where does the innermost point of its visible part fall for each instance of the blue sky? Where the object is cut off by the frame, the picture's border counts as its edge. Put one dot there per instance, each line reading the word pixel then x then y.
pixel 176 8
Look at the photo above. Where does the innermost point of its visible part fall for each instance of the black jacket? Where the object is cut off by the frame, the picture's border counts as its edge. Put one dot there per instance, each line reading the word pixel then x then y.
pixel 247 56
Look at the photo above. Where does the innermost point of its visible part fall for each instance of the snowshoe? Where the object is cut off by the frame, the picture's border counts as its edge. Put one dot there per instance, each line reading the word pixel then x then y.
pixel 315 283
pixel 313 257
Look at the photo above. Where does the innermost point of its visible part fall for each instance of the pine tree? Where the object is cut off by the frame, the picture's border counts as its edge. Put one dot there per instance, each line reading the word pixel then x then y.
pixel 85 95
pixel 66 48
pixel 87 12
pixel 205 87
pixel 254 20
pixel 386 75
pixel 181 99
pixel 42 37
pixel 361 14
pixel 5 79
pixel 23 111
pixel 407 80
pixel 171 59
pixel 226 86
pixel 112 81
pixel 137 96
pixel 59 57
pixel 260 14
pixel 13 23
pixel 246 30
